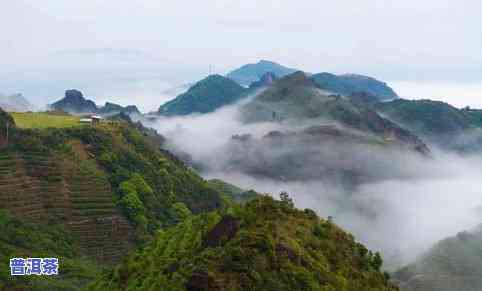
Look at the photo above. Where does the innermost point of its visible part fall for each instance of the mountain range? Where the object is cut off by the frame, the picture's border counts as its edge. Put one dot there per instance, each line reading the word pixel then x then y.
pixel 216 91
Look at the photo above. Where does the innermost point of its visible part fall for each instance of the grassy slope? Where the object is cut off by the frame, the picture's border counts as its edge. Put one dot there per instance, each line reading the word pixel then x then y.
pixel 44 120
pixel 263 245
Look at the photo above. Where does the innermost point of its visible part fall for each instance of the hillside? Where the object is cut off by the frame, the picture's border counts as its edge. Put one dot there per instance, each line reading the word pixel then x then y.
pixel 205 96
pixel 250 73
pixel 454 263
pixel 106 188
pixel 351 83
pixel 438 122
pixel 15 103
pixel 263 245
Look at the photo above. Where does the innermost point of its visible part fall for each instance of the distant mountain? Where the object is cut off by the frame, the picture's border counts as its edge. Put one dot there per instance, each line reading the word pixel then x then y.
pixel 112 109
pixel 428 117
pixel 438 122
pixel 15 103
pixel 74 102
pixel 452 264
pixel 250 73
pixel 351 83
pixel 205 96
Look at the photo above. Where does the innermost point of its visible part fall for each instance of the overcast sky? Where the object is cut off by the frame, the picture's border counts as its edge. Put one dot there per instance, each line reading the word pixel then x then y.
pixel 123 49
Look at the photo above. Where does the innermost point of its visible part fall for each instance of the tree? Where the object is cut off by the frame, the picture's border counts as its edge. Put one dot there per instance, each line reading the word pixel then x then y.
pixel 285 198
pixel 132 205
pixel 377 261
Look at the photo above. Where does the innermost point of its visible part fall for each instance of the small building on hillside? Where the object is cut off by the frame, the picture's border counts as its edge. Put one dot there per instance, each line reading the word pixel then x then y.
pixel 86 120
pixel 96 119
pixel 93 120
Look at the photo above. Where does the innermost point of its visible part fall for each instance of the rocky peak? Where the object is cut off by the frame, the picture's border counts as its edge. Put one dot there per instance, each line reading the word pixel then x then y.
pixel 74 102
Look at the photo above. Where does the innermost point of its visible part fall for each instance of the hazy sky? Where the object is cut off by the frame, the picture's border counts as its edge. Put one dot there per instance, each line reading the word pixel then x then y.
pixel 121 49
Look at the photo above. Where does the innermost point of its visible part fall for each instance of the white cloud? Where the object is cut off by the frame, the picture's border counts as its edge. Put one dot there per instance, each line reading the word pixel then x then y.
pixel 413 202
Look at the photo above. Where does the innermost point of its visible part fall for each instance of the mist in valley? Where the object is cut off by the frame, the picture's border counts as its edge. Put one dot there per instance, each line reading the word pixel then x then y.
pixel 404 204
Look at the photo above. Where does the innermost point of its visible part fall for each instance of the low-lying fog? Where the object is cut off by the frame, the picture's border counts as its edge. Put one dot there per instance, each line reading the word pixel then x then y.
pixel 401 216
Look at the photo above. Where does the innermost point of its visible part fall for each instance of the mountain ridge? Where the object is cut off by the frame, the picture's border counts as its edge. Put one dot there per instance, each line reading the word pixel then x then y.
pixel 348 84
pixel 249 73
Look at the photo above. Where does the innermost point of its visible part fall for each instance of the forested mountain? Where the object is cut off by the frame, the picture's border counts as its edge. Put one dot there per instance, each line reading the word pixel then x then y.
pixel 351 83
pixel 437 122
pixel 263 245
pixel 250 73
pixel 205 96
pixel 297 98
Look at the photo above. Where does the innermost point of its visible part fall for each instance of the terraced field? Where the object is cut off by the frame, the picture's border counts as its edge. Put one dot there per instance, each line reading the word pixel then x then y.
pixel 39 187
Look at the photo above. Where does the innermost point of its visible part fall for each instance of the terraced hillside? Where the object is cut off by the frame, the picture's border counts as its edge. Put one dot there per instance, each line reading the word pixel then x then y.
pixel 40 187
